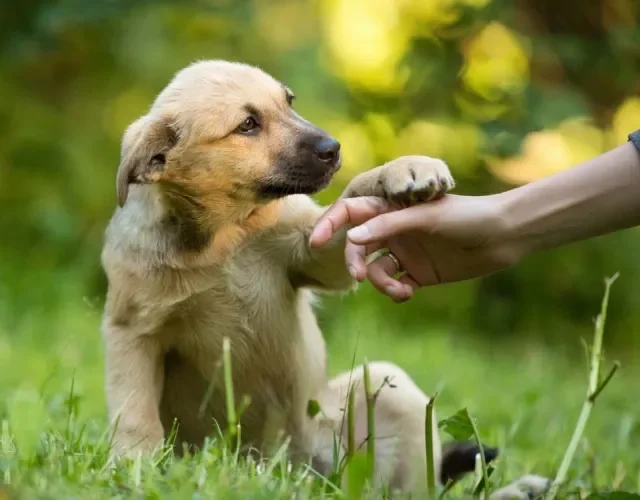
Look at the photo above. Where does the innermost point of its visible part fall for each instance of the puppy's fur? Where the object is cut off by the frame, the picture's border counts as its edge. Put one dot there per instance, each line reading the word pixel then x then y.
pixel 210 240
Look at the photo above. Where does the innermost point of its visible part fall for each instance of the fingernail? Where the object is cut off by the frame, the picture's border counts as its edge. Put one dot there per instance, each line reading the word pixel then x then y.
pixel 352 272
pixel 360 232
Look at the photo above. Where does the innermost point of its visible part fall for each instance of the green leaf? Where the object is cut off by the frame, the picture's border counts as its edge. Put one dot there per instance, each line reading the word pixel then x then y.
pixel 457 426
pixel 357 475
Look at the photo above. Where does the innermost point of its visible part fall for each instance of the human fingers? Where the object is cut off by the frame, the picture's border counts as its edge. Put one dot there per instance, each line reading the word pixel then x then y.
pixel 410 282
pixel 355 257
pixel 391 223
pixel 347 211
pixel 380 273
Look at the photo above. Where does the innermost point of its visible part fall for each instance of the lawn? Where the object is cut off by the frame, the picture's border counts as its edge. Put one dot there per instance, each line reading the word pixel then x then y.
pixel 526 398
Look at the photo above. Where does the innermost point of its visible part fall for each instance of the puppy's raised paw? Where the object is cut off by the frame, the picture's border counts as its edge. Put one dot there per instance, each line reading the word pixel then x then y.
pixel 527 487
pixel 414 179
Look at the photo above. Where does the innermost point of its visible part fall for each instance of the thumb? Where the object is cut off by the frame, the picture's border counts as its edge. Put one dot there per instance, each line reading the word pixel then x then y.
pixel 386 225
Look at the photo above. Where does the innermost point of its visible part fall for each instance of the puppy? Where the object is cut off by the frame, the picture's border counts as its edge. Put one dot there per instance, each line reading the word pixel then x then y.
pixel 210 241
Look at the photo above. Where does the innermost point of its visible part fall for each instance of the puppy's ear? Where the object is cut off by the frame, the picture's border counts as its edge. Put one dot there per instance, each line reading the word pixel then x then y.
pixel 145 147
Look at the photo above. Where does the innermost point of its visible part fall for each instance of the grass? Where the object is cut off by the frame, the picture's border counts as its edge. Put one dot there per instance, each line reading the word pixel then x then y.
pixel 526 400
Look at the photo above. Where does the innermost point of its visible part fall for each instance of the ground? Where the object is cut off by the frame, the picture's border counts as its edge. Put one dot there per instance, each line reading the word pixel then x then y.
pixel 525 397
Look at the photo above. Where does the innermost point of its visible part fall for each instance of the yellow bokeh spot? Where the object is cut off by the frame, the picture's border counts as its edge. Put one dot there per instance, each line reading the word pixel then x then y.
pixel 457 143
pixel 495 63
pixel 423 138
pixel 547 152
pixel 463 149
pixel 366 42
pixel 583 139
pixel 367 39
pixel 625 120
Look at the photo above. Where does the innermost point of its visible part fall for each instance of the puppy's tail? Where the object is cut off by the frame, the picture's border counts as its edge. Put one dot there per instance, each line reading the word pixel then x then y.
pixel 459 458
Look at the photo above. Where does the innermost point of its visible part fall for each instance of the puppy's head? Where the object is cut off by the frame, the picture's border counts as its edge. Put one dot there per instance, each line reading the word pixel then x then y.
pixel 224 134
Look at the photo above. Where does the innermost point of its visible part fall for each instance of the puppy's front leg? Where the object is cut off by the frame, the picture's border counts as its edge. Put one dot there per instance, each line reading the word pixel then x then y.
pixel 404 181
pixel 134 379
pixel 322 268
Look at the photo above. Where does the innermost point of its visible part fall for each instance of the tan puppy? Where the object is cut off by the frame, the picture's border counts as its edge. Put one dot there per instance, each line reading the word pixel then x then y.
pixel 210 240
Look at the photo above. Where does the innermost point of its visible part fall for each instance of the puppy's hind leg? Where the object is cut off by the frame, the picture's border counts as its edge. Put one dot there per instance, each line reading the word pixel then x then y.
pixel 525 488
pixel 400 409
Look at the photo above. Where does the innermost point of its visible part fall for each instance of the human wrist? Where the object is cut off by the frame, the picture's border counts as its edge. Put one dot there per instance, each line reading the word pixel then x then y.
pixel 510 238
pixel 594 198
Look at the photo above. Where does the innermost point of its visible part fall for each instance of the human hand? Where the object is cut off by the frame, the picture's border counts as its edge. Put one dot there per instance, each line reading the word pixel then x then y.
pixel 450 239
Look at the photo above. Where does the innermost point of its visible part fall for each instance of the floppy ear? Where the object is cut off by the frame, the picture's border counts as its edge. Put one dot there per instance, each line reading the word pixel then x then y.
pixel 145 146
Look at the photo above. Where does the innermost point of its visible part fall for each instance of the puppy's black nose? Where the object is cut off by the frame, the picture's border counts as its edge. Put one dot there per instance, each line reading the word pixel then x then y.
pixel 327 149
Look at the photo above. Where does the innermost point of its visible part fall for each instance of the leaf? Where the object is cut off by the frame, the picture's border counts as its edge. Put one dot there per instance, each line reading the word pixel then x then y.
pixel 357 475
pixel 457 426
pixel 313 408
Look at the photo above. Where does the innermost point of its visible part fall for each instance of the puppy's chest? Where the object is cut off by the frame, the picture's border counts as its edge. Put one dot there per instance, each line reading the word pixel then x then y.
pixel 259 312
pixel 253 306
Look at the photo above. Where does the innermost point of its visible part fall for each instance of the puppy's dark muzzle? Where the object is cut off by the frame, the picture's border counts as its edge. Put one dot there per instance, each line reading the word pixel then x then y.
pixel 327 151
pixel 306 169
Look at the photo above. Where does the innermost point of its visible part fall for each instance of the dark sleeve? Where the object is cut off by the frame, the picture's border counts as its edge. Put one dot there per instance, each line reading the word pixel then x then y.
pixel 635 138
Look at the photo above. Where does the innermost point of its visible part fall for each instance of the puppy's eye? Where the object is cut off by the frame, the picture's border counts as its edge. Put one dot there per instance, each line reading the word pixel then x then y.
pixel 249 125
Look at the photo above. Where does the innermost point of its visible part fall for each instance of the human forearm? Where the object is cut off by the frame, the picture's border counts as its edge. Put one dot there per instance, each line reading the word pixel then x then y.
pixel 592 199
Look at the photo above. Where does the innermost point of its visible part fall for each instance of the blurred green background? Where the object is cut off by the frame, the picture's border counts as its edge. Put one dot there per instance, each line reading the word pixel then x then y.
pixel 506 91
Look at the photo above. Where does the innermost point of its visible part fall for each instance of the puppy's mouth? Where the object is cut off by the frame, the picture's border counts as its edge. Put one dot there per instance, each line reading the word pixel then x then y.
pixel 292 182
